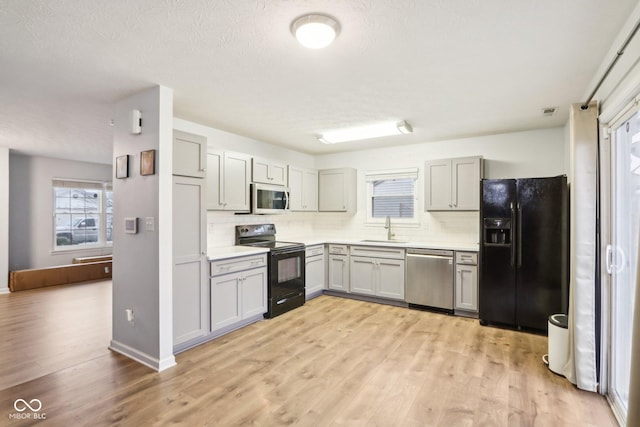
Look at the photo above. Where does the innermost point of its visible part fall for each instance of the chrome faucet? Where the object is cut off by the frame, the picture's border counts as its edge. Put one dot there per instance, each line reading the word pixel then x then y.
pixel 387 225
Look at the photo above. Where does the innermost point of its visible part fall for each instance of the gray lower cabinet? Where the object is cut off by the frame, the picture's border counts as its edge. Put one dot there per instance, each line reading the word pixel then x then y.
pixel 314 270
pixel 466 292
pixel 338 268
pixel 377 271
pixel 238 290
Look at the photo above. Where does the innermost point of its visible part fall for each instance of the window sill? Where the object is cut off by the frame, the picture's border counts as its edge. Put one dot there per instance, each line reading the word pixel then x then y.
pixel 59 251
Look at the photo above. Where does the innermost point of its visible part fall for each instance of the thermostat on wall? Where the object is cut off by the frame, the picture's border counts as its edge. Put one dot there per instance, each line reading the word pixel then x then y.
pixel 131 225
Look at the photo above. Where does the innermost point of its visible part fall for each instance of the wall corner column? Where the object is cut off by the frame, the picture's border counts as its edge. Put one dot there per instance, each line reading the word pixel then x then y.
pixel 4 220
pixel 143 262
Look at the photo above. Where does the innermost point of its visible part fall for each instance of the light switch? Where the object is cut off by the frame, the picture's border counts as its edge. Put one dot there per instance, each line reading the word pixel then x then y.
pixel 149 224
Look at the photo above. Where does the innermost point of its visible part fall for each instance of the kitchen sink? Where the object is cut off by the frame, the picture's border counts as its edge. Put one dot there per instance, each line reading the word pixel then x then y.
pixel 383 241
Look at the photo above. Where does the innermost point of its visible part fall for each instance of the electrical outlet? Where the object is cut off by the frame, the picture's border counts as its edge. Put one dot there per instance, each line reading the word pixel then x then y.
pixel 149 223
pixel 106 270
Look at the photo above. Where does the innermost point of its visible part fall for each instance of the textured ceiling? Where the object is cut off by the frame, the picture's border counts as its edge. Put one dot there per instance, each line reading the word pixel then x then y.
pixel 452 68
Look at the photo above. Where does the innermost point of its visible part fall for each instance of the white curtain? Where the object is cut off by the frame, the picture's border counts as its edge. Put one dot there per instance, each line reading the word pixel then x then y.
pixel 581 362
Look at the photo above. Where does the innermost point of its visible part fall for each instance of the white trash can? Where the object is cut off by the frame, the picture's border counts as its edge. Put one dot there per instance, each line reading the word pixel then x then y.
pixel 558 342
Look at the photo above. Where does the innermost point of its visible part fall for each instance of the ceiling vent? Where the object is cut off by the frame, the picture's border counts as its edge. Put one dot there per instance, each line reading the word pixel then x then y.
pixel 549 111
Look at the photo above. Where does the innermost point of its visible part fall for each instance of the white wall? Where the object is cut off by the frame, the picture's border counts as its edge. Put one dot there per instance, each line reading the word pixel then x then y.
pixel 220 140
pixel 512 155
pixel 142 274
pixel 536 153
pixel 31 209
pixel 221 225
pixel 623 83
pixel 4 220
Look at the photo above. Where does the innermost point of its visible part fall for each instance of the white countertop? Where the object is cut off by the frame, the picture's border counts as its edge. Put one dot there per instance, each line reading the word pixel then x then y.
pixel 224 252
pixel 451 246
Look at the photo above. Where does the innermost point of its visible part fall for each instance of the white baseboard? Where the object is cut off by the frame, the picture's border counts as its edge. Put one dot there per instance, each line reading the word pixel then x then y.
pixel 4 291
pixel 143 358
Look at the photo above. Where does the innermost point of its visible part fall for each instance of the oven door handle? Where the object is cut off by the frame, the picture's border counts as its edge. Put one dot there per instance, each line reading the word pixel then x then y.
pixel 295 250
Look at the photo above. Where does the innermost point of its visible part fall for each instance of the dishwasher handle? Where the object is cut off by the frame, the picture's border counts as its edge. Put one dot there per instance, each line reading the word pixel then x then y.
pixel 430 252
pixel 410 255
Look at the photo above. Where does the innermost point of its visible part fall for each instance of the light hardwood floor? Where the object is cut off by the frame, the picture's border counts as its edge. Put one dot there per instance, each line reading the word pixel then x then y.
pixel 333 361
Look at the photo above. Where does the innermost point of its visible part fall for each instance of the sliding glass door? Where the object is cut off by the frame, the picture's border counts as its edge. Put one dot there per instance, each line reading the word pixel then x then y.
pixel 622 256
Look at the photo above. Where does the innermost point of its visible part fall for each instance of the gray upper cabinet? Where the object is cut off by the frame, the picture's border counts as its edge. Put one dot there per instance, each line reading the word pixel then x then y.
pixel 268 172
pixel 228 180
pixel 453 184
pixel 337 190
pixel 189 154
pixel 303 189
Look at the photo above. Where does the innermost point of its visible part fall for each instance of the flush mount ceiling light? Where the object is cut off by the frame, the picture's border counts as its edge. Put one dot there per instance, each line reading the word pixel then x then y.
pixel 366 132
pixel 315 31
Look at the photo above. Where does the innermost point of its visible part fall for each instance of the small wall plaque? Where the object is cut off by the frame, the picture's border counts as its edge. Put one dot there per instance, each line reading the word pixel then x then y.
pixel 122 166
pixel 148 162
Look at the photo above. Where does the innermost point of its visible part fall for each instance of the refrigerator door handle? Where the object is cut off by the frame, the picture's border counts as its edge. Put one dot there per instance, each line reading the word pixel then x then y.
pixel 519 209
pixel 609 259
pixel 513 230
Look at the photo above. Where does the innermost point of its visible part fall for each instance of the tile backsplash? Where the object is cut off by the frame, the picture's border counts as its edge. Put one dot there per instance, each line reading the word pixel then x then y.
pixel 436 227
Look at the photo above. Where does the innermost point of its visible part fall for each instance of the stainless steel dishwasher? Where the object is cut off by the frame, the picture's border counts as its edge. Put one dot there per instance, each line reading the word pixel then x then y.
pixel 430 278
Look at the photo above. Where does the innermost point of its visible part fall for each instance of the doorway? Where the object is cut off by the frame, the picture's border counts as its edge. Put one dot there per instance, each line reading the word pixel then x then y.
pixel 621 256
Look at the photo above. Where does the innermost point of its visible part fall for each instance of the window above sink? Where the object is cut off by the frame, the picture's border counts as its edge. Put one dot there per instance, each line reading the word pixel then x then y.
pixel 392 193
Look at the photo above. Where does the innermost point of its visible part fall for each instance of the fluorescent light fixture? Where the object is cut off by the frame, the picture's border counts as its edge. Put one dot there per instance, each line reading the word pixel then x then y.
pixel 366 132
pixel 315 31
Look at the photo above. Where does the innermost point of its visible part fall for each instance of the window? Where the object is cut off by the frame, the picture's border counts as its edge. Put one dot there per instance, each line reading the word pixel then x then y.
pixel 79 218
pixel 108 213
pixel 392 194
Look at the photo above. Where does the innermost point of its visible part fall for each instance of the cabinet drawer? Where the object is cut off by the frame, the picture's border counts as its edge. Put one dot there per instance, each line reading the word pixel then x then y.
pixel 314 250
pixel 339 249
pixel 467 258
pixel 237 264
pixel 377 252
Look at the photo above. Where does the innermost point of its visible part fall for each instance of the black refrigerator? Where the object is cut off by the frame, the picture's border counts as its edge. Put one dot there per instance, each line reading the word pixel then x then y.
pixel 524 251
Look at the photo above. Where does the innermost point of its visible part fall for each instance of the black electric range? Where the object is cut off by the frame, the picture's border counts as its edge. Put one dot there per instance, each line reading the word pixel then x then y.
pixel 286 267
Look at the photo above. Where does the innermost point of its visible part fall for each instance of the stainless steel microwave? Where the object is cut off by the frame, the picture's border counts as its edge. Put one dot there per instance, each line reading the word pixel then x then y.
pixel 269 199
